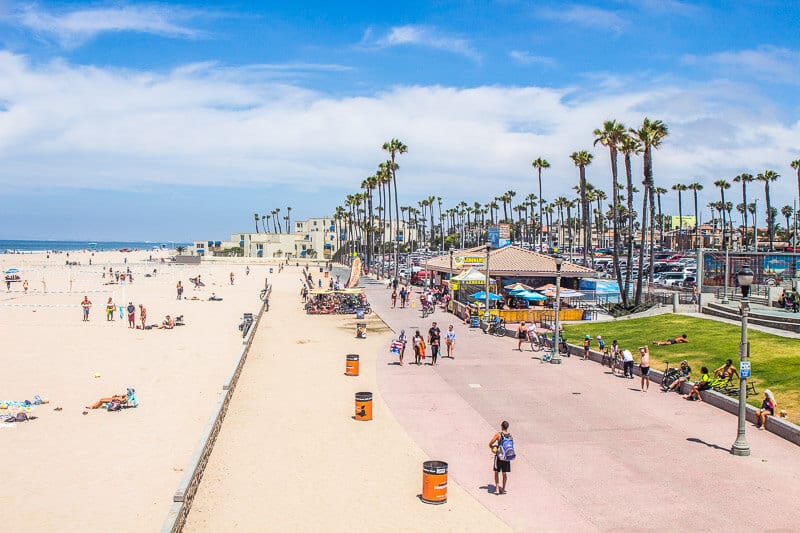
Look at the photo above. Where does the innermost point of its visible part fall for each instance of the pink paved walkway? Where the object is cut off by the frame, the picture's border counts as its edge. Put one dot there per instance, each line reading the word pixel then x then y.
pixel 595 453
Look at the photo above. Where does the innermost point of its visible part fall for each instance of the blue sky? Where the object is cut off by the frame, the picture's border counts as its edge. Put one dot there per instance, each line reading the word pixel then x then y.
pixel 177 121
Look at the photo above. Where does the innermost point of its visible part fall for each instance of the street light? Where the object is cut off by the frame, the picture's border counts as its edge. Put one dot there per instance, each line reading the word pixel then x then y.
pixel 556 357
pixel 745 279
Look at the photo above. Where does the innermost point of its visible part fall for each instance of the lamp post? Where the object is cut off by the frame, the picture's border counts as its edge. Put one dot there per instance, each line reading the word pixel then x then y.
pixel 740 447
pixel 556 357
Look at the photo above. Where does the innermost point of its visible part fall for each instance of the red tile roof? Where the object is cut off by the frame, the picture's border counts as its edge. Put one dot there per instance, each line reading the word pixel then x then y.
pixel 514 261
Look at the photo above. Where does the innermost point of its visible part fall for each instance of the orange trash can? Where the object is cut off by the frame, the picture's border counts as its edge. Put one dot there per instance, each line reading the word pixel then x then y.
pixel 351 368
pixel 434 482
pixel 363 406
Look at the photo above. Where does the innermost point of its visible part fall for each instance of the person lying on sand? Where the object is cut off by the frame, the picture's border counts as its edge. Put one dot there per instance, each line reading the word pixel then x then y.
pixel 121 398
pixel 674 340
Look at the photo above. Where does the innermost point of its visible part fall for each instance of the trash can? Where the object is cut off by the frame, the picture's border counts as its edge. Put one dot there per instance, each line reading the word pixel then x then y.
pixel 361 330
pixel 351 367
pixel 363 406
pixel 434 482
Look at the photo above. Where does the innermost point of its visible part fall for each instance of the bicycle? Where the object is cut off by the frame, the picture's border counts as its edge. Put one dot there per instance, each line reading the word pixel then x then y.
pixel 428 310
pixel 536 342
pixel 607 359
pixel 497 328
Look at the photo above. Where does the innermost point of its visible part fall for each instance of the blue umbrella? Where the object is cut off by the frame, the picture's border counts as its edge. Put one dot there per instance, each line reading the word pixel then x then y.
pixel 530 296
pixel 482 296
pixel 12 271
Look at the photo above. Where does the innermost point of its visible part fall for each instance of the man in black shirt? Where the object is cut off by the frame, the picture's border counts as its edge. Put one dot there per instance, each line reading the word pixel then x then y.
pixel 434 337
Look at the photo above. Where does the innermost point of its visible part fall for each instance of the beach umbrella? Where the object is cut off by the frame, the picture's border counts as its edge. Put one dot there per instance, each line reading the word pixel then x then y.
pixel 546 287
pixel 531 296
pixel 518 286
pixel 12 270
pixel 482 296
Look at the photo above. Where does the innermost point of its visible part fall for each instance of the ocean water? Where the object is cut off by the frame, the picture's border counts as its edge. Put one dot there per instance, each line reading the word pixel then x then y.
pixel 13 246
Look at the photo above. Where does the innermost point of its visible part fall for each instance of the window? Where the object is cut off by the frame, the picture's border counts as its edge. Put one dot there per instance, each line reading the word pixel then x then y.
pixel 315 222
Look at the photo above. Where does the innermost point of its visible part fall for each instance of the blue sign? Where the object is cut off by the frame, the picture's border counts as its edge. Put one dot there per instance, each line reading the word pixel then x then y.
pixel 744 369
pixel 494 236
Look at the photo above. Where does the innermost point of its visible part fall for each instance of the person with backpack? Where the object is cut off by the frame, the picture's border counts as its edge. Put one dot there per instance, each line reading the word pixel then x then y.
pixel 502 445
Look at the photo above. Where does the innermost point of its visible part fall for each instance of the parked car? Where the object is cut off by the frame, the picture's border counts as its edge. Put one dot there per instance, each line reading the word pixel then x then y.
pixel 670 279
pixel 689 282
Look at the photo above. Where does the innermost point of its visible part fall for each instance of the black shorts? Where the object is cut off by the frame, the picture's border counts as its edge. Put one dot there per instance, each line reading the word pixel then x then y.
pixel 645 370
pixel 501 466
pixel 522 335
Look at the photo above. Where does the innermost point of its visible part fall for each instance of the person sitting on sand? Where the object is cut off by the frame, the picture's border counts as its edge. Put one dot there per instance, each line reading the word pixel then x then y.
pixel 121 398
pixel 674 340
pixel 214 298
pixel 168 323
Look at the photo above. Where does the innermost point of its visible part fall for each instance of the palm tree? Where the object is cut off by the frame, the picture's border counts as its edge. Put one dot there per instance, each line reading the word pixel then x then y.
pixel 395 148
pixel 723 186
pixel 796 165
pixel 581 160
pixel 288 219
pixel 629 146
pixel 787 212
pixel 278 219
pixel 611 136
pixel 660 191
pixel 680 187
pixel 256 217
pixel 768 177
pixel 744 179
pixel 651 135
pixel 695 187
pixel 539 163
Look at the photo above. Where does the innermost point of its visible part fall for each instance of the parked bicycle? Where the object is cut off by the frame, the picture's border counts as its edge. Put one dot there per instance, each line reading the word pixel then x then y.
pixel 497 327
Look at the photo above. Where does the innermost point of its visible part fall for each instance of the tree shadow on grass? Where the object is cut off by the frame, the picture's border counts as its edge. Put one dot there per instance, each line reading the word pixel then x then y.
pixel 716 447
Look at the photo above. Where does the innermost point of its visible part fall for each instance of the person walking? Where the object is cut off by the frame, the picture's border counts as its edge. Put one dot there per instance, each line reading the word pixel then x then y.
pixel 131 315
pixel 394 298
pixel 232 278
pixel 419 347
pixel 403 296
pixel 86 305
pixel 500 466
pixel 143 315
pixel 587 342
pixel 434 340
pixel 450 341
pixel 644 367
pixel 522 334
pixel 403 341
pixel 179 289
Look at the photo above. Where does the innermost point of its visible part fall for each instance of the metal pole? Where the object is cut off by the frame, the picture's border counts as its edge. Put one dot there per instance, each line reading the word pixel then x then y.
pixel 556 357
pixel 486 305
pixel 740 447
pixel 755 225
pixel 727 272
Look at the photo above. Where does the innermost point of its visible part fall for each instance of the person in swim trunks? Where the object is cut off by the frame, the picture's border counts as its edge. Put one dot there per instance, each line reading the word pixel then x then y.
pixel 675 340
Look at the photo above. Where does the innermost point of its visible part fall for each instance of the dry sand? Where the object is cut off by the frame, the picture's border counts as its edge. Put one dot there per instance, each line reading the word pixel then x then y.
pixel 290 456
pixel 110 471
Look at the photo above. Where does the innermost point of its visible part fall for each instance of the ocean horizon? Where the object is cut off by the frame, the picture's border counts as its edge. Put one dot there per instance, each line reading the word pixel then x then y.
pixel 44 246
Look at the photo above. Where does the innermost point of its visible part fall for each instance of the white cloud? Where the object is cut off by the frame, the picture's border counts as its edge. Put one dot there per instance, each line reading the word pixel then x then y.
pixel 73 28
pixel 774 63
pixel 526 58
pixel 426 36
pixel 204 124
pixel 586 16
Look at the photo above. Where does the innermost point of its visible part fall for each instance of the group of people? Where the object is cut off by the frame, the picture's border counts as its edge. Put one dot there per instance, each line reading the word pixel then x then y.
pixel 86 307
pixel 434 341
pixel 790 300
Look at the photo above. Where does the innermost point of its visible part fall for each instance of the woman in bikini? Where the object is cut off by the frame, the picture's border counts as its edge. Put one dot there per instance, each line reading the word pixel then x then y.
pixel 143 315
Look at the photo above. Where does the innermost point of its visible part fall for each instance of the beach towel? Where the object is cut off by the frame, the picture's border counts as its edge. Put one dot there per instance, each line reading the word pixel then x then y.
pixel 422 349
pixel 396 347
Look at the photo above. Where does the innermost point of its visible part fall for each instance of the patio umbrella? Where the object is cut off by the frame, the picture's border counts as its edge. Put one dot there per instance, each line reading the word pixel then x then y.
pixel 482 296
pixel 531 296
pixel 546 287
pixel 12 270
pixel 518 286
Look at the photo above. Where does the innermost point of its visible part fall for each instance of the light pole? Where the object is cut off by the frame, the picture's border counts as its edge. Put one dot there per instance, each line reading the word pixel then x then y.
pixel 740 447
pixel 556 357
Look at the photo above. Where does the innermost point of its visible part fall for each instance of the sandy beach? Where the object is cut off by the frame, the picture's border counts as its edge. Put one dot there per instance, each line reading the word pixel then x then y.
pixel 110 471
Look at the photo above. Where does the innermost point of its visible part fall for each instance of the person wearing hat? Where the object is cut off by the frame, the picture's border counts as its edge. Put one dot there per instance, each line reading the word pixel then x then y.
pixel 587 341
pixel 601 344
pixel 685 372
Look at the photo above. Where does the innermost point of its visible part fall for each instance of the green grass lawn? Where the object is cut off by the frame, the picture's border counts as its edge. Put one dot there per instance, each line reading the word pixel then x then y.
pixel 775 360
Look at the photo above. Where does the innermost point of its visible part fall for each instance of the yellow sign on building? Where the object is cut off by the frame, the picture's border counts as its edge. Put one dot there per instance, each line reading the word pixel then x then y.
pixel 689 222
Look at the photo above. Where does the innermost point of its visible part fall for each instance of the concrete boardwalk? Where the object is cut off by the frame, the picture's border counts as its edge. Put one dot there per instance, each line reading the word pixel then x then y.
pixel 595 453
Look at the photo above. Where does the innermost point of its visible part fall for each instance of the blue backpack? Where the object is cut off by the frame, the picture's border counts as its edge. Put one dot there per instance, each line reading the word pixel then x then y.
pixel 505 452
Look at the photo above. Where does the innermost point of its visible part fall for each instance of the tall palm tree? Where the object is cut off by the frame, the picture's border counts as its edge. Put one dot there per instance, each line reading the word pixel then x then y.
pixel 539 163
pixel 660 191
pixel 611 136
pixel 769 176
pixel 581 160
pixel 278 219
pixel 723 186
pixel 288 219
pixel 796 165
pixel 629 146
pixel 395 148
pixel 679 188
pixel 256 217
pixel 695 187
pixel 651 134
pixel 509 195
pixel 744 179
pixel 787 212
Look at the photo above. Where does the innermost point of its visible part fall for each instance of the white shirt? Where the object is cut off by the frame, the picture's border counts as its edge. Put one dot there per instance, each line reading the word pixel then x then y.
pixel 627 356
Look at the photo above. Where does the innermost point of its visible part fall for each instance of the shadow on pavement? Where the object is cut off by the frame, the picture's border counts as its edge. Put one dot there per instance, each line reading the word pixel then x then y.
pixel 699 441
pixel 491 489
